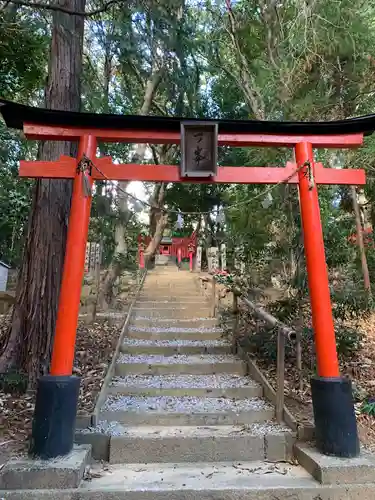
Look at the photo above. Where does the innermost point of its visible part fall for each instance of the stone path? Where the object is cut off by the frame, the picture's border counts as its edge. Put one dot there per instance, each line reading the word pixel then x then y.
pixel 178 394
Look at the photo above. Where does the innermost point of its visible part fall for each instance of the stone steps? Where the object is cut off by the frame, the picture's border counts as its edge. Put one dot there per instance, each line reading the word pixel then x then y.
pixel 172 312
pixel 205 444
pixel 179 397
pixel 245 480
pixel 172 304
pixel 203 364
pixel 174 375
pixel 153 333
pixel 215 386
pixel 186 410
pixel 170 322
pixel 175 346
pixel 188 299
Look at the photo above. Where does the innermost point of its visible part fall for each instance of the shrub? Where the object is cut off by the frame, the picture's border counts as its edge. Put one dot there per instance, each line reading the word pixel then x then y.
pixel 351 304
pixel 348 341
pixel 368 407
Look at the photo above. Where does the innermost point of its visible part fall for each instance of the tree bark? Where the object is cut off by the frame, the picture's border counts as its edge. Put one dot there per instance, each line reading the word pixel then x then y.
pixel 114 271
pixel 138 156
pixel 158 221
pixel 244 77
pixel 157 237
pixel 158 218
pixel 360 243
pixel 29 342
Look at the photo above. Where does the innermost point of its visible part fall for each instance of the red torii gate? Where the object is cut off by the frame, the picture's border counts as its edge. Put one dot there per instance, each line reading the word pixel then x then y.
pixel 53 429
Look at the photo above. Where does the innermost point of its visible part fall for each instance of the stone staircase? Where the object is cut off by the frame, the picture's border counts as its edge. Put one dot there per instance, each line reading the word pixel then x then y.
pixel 181 405
pixel 178 394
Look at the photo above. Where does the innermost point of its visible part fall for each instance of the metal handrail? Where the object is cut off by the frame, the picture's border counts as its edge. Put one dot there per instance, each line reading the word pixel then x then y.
pixel 284 333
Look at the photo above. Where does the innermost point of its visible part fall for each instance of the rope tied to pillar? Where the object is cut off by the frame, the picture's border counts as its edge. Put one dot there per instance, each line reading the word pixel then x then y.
pixel 309 174
pixel 85 166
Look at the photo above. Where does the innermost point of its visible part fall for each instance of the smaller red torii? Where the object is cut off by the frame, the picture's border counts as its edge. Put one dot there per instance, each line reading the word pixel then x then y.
pixel 186 244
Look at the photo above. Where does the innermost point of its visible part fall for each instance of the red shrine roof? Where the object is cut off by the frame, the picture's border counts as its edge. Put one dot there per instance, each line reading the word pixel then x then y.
pixel 15 115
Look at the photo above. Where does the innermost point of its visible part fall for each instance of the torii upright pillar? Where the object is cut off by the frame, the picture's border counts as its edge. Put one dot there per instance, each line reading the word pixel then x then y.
pixel 57 393
pixel 334 416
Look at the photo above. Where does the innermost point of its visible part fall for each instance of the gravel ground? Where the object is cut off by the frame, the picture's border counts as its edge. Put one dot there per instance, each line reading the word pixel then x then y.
pixel 169 320
pixel 118 429
pixel 174 329
pixel 175 320
pixel 176 359
pixel 222 381
pixel 174 343
pixel 185 404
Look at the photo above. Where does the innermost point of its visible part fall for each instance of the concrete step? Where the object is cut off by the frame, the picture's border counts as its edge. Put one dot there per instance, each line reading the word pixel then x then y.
pixel 173 322
pixel 172 312
pixel 173 333
pixel 171 292
pixel 200 444
pixel 180 289
pixel 204 364
pixel 214 386
pixel 334 470
pixel 180 286
pixel 169 410
pixel 256 480
pixel 172 304
pixel 188 299
pixel 175 346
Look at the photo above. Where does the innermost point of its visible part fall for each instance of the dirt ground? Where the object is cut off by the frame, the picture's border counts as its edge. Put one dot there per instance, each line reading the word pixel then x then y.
pixel 361 370
pixel 95 346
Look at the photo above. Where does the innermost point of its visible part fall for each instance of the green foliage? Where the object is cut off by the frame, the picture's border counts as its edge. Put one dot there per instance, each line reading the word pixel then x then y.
pixel 286 310
pixel 368 408
pixel 316 65
pixel 13 383
pixel 349 341
pixel 264 343
pixel 351 304
pixel 23 53
pixel 15 198
pixel 23 65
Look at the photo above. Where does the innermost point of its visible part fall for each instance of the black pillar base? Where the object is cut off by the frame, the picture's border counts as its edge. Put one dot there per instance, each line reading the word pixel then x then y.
pixel 335 422
pixel 54 416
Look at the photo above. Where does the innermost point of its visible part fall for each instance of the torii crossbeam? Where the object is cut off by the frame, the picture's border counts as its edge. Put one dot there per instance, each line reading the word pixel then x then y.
pixel 335 423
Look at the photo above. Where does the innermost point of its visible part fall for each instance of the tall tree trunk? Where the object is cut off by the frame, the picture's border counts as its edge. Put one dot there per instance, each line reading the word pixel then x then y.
pixel 137 157
pixel 158 221
pixel 116 267
pixel 157 237
pixel 158 218
pixel 28 346
pixel 360 243
pixel 208 230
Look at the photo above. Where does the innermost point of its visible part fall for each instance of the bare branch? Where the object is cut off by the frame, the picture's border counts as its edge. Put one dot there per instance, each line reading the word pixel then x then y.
pixel 251 93
pixel 64 10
